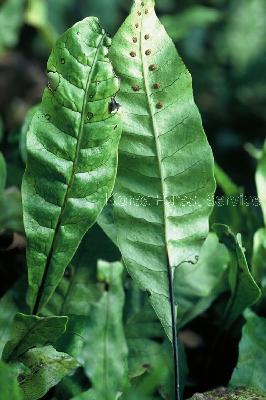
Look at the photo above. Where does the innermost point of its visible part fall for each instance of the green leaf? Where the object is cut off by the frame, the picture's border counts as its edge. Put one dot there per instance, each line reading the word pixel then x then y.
pixel 72 155
pixel 46 369
pixel 178 26
pixel 197 286
pixel 2 173
pixel 107 223
pixel 259 259
pixel 75 293
pixel 244 290
pixel 148 348
pixel 104 350
pixel 10 305
pixel 9 387
pixel 11 211
pixel 144 334
pixel 11 20
pixel 24 132
pixel 261 181
pixel 31 331
pixel 165 184
pixel 229 394
pixel 251 365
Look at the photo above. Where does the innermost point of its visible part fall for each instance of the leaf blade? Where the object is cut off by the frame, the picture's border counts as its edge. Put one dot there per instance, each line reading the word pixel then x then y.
pixel 71 168
pixel 150 155
pixel 31 331
pixel 47 368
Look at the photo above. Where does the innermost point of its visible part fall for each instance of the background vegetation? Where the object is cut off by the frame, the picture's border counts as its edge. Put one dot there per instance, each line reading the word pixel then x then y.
pixel 223 44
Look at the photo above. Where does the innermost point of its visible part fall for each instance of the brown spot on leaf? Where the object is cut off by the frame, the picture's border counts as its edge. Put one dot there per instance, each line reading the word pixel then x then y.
pixel 133 54
pixel 159 105
pixel 136 88
pixel 156 86
pixel 152 67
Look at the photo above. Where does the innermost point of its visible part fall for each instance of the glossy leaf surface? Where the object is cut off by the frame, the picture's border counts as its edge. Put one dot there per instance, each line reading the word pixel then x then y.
pixel 164 191
pixel 72 155
pixel 31 331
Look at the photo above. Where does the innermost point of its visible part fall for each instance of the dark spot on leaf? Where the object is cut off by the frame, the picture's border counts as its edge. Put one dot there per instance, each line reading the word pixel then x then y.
pixel 113 106
pixel 136 88
pixel 62 61
pixel 159 105
pixel 115 127
pixel 133 54
pixel 139 13
pixel 146 11
pixel 90 115
pixel 148 52
pixel 137 25
pixel 157 86
pixel 48 117
pixel 146 37
pixel 142 3
pixel 135 40
pixel 152 67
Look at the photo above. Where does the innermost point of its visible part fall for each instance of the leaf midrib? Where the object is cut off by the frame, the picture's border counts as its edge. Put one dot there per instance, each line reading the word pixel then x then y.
pixel 168 265
pixel 73 173
pixel 155 134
